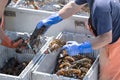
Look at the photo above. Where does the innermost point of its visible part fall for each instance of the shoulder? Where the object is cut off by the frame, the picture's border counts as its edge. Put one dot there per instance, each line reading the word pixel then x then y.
pixel 102 5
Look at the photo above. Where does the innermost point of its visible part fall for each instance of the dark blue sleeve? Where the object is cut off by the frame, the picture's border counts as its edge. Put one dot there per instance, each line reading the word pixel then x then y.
pixel 79 2
pixel 103 22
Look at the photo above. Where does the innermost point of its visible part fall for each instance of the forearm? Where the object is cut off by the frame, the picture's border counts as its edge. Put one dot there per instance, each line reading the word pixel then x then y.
pixel 2 34
pixel 101 40
pixel 2 6
pixel 69 9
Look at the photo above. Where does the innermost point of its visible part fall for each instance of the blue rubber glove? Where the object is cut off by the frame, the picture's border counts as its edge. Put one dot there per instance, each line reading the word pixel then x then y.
pixel 73 48
pixel 53 19
pixel 46 23
pixel 43 26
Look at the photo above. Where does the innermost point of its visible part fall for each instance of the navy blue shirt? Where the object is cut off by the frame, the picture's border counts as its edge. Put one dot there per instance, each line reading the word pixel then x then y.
pixel 105 16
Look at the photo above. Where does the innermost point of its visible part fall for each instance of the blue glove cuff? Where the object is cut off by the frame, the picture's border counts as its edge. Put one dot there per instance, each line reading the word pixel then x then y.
pixel 85 47
pixel 53 19
pixel 39 25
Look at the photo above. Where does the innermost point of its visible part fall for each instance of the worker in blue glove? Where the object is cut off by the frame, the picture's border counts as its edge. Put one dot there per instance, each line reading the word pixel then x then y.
pixel 4 39
pixel 104 22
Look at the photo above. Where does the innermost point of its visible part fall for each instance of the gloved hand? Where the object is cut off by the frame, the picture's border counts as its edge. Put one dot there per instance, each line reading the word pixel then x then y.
pixel 73 48
pixel 43 26
pixel 6 41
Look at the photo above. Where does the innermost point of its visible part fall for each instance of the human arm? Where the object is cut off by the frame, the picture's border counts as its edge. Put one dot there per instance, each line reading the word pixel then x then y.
pixel 70 9
pixel 103 26
pixel 64 13
pixel 74 48
pixel 5 40
pixel 2 6
pixel 101 40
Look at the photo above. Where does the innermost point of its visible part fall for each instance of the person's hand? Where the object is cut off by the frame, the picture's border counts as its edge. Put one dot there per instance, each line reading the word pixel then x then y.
pixel 43 26
pixel 73 48
pixel 7 42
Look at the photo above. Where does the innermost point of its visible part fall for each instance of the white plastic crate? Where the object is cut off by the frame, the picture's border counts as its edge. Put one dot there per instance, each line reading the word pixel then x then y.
pixel 25 20
pixel 45 66
pixel 7 53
